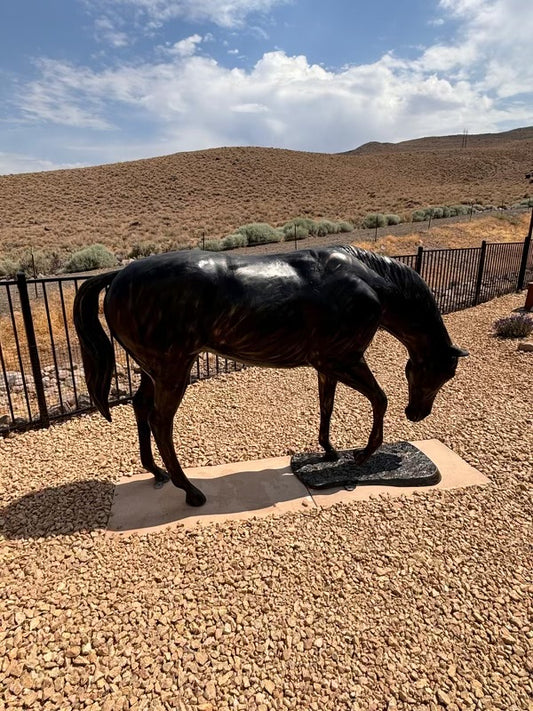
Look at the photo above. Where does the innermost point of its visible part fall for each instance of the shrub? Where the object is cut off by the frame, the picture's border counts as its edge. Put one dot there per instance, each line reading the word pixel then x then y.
pixel 345 226
pixel 304 225
pixel 96 256
pixel 8 268
pixel 180 246
pixel 514 326
pixel 38 263
pixel 419 216
pixel 461 209
pixel 327 227
pixel 142 249
pixel 260 233
pixel 438 212
pixel 393 219
pixel 374 219
pixel 211 245
pixel 233 241
pixel 295 232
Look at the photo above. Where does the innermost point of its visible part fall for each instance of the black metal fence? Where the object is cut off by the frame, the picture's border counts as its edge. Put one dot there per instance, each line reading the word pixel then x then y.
pixel 41 373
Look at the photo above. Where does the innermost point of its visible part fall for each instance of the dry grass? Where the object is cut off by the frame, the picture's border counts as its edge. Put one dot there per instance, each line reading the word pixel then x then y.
pixel 502 228
pixel 53 321
pixel 173 199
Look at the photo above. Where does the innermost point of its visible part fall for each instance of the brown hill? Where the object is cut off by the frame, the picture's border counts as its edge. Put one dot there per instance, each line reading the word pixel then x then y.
pixel 173 199
pixel 447 143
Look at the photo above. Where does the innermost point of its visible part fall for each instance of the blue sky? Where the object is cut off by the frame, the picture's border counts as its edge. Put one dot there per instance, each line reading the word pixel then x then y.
pixel 85 82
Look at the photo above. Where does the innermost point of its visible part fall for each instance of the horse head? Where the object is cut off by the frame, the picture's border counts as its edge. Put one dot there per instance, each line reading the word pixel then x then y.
pixel 426 377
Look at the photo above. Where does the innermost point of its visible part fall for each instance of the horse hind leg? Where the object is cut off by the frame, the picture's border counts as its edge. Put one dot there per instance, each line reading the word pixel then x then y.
pixel 326 392
pixel 143 403
pixel 167 397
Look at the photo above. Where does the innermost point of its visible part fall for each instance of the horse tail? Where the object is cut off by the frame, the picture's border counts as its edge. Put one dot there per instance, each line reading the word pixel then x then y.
pixel 97 352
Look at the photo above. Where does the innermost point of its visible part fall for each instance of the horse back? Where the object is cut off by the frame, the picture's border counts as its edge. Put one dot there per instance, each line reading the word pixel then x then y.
pixel 280 310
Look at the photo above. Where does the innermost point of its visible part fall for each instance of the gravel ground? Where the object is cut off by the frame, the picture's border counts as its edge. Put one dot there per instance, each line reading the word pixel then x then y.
pixel 418 603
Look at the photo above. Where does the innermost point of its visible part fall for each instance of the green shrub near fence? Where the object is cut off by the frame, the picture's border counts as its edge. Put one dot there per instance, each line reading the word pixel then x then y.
pixel 304 225
pixel 8 268
pixel 393 219
pixel 212 245
pixel 233 241
pixel 96 256
pixel 143 249
pixel 294 232
pixel 327 227
pixel 374 219
pixel 260 233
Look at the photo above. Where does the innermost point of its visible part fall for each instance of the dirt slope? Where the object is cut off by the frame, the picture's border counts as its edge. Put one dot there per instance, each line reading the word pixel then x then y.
pixel 173 199
pixel 448 143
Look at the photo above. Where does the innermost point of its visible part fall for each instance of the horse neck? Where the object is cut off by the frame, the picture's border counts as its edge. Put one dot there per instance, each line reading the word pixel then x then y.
pixel 417 324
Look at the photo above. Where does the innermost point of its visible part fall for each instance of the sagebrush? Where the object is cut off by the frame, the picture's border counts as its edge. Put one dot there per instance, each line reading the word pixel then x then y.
pixel 96 256
pixel 514 326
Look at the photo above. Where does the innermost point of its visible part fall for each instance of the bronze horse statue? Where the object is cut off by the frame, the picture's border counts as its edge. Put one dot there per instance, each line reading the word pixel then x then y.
pixel 318 308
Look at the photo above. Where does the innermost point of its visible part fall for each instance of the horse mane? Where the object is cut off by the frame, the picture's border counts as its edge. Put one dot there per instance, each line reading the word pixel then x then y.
pixel 408 282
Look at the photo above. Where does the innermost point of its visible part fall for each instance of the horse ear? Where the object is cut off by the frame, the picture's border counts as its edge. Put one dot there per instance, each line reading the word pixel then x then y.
pixel 459 352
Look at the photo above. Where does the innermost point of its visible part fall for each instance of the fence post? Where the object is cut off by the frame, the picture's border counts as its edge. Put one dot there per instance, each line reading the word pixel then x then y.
pixel 418 262
pixel 25 307
pixel 480 269
pixel 525 254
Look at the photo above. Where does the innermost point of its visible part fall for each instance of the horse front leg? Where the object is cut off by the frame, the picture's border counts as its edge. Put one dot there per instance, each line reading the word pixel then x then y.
pixel 327 385
pixel 167 398
pixel 360 378
pixel 143 403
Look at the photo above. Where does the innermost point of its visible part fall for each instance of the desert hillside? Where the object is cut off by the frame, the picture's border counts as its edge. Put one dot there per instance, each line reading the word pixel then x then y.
pixel 173 199
pixel 457 141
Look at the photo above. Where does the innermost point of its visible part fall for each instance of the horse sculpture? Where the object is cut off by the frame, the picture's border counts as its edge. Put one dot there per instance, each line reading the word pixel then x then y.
pixel 318 308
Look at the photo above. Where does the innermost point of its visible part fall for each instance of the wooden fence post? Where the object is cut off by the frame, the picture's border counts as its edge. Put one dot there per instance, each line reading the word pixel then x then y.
pixel 35 361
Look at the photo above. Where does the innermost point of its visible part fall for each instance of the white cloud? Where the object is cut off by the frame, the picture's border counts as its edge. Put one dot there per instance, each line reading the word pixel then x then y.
pixel 493 49
pixel 225 13
pixel 249 108
pixel 185 47
pixel 189 101
pixel 19 163
pixel 106 30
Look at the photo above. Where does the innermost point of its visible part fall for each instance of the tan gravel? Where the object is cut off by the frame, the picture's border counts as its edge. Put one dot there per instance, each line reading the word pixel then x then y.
pixel 421 603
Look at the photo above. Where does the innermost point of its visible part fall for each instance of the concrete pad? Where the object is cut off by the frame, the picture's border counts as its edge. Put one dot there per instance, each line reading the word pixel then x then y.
pixel 234 491
pixel 257 488
pixel 454 471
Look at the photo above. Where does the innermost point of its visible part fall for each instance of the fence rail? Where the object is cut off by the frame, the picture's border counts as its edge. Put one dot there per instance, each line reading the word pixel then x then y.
pixel 41 372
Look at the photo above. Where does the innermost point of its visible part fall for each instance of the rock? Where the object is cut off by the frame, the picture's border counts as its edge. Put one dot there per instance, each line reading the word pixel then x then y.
pixel 443 697
pixel 526 346
pixel 201 658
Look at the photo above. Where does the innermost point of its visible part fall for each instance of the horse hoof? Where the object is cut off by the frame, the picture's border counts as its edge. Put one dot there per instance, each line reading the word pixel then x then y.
pixel 360 456
pixel 160 480
pixel 331 456
pixel 195 497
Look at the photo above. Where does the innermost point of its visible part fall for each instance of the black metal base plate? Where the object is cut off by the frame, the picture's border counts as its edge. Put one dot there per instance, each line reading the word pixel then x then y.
pixel 397 464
